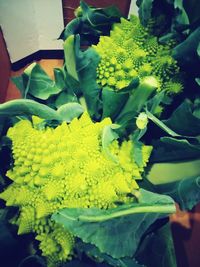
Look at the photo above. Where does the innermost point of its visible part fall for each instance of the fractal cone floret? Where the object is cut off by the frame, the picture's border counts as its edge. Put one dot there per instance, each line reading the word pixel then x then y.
pixel 132 51
pixel 66 166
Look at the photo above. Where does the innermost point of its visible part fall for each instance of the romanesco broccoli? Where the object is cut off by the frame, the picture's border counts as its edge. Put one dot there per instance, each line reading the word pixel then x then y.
pixel 66 167
pixel 131 51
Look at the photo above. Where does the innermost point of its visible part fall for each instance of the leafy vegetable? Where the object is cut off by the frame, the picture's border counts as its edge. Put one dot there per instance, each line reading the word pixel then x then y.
pixel 117 231
pixel 67 167
pixel 157 249
pixel 91 22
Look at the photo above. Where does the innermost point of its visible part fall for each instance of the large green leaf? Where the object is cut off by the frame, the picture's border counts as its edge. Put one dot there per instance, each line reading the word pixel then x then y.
pixel 28 107
pixel 91 22
pixel 180 139
pixel 112 102
pixel 185 192
pixel 157 249
pixel 35 82
pixel 70 111
pixel 94 253
pixel 183 121
pixel 108 136
pixel 145 9
pixel 86 64
pixel 116 232
pixel 186 52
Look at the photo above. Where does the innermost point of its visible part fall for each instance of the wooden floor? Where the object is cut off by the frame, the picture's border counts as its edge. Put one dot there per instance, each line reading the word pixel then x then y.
pixel 47 64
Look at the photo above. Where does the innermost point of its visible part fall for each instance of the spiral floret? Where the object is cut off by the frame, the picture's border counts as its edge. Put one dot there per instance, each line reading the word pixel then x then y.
pixel 66 167
pixel 132 51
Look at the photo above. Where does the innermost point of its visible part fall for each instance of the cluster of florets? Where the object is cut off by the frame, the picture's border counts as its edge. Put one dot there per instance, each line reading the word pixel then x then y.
pixel 131 51
pixel 66 167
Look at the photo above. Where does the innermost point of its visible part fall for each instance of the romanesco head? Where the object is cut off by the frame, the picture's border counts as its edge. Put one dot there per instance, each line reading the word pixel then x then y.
pixel 132 51
pixel 66 167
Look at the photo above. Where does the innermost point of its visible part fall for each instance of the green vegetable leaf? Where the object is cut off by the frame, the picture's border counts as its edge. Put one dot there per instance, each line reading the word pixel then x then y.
pixel 86 64
pixel 157 249
pixel 91 22
pixel 94 253
pixel 70 60
pixel 118 231
pixel 186 52
pixel 185 192
pixel 183 120
pixel 70 111
pixel 108 136
pixel 35 82
pixel 145 10
pixel 28 108
pixel 64 98
pixel 112 102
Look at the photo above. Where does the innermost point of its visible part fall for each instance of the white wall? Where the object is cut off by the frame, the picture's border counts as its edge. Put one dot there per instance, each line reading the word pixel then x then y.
pixel 29 26
pixel 133 8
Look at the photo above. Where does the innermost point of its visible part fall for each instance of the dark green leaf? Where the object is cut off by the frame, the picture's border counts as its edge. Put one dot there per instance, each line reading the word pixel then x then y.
pixel 160 124
pixel 185 192
pixel 35 82
pixel 183 121
pixel 145 11
pixel 112 102
pixel 28 107
pixel 116 232
pixel 95 254
pixel 64 98
pixel 70 111
pixel 186 52
pixel 108 136
pixel 70 57
pixel 59 78
pixel 91 23
pixel 157 249
pixel 86 64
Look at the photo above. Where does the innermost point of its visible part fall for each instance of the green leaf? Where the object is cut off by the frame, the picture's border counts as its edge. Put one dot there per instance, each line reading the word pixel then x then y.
pixel 182 17
pixel 86 64
pixel 192 8
pixel 28 107
pixel 183 121
pixel 108 136
pixel 118 231
pixel 91 23
pixel 94 253
pixel 35 82
pixel 112 102
pixel 145 11
pixel 70 60
pixel 186 52
pixel 185 192
pixel 82 67
pixel 161 124
pixel 70 111
pixel 64 98
pixel 59 78
pixel 157 249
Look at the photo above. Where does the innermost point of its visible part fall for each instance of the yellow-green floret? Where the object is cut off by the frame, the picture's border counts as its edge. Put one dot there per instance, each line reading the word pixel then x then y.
pixel 132 51
pixel 66 167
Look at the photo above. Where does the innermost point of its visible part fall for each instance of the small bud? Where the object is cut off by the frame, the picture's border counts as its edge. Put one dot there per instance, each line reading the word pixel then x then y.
pixel 142 121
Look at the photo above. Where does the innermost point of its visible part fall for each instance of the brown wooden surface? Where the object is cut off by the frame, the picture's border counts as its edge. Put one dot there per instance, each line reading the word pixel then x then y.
pixel 70 5
pixel 4 68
